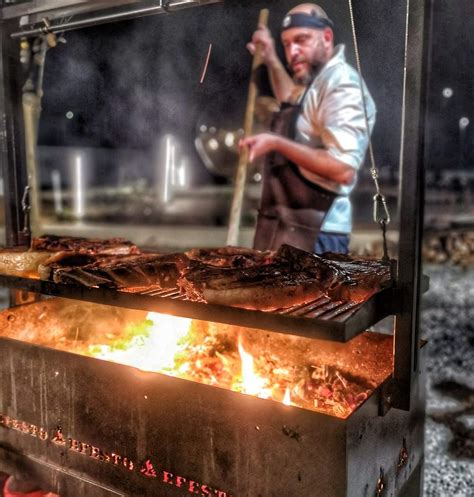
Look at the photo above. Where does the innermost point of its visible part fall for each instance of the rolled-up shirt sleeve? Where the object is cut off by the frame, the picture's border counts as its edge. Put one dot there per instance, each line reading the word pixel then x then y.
pixel 340 119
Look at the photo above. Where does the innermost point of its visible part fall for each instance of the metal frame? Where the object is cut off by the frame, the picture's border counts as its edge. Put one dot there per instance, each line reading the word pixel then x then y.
pixel 405 391
pixel 12 137
pixel 111 11
pixel 411 187
pixel 33 9
pixel 411 195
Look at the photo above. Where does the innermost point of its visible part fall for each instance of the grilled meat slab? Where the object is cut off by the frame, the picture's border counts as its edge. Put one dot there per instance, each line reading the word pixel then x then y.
pixel 292 277
pixel 51 251
pixel 112 246
pixel 123 271
pixel 267 287
pixel 231 257
pixel 345 278
pixel 24 263
pixel 226 276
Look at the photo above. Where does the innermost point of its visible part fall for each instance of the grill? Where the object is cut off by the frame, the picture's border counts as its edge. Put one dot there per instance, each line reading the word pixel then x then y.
pixel 235 444
pixel 78 425
pixel 322 318
pixel 142 433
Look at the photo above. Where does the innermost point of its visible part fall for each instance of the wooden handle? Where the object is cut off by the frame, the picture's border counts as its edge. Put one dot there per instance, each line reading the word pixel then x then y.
pixel 241 174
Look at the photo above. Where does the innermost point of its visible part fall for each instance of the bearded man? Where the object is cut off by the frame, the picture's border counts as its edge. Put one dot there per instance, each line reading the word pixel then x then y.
pixel 318 140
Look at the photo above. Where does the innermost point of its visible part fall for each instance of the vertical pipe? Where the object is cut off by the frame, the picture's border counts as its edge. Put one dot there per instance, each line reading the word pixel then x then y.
pixel 411 195
pixel 31 115
pixel 32 96
pixel 12 156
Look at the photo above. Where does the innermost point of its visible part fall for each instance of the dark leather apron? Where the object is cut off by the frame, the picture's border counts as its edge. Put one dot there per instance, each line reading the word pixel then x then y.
pixel 292 208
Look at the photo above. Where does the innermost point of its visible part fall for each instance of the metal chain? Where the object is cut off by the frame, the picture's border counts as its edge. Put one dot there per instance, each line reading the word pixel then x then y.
pixel 381 213
pixel 373 168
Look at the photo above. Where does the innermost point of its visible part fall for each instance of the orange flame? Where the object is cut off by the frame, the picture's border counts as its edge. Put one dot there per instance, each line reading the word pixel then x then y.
pixel 154 350
pixel 167 344
pixel 251 382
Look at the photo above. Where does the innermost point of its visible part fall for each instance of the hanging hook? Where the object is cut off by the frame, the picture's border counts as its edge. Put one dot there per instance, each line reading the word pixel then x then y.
pixel 381 214
pixel 26 208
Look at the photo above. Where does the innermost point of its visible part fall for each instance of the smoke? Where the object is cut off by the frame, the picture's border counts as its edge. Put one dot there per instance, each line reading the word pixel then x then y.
pixel 130 83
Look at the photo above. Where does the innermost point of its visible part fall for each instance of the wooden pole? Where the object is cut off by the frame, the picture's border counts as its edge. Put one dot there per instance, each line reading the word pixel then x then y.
pixel 241 175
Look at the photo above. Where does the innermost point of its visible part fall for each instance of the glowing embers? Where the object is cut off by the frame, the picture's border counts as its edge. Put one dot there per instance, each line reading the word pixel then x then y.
pixel 220 357
pixel 333 378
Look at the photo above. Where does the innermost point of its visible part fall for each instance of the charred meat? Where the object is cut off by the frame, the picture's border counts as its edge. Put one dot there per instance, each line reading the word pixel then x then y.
pixel 291 277
pixel 267 287
pixel 112 246
pixel 345 278
pixel 51 251
pixel 231 276
pixel 237 257
pixel 122 271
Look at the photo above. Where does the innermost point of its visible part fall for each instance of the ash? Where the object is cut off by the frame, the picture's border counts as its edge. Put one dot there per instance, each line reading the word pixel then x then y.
pixel 447 322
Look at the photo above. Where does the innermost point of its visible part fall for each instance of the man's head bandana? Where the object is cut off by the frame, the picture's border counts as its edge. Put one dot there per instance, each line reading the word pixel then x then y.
pixel 301 20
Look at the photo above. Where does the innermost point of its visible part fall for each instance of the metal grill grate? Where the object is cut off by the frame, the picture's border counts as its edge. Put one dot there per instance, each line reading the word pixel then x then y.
pixel 322 307
pixel 323 318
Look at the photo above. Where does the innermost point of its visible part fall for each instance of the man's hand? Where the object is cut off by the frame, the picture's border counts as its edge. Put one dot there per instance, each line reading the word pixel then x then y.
pixel 259 145
pixel 263 38
pixel 314 160
pixel 282 84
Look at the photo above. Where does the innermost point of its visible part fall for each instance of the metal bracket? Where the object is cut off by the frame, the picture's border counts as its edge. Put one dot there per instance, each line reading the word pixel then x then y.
pixel 393 394
pixel 26 208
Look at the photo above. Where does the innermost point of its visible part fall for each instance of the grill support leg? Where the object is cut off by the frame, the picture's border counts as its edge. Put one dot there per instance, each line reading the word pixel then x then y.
pixel 414 486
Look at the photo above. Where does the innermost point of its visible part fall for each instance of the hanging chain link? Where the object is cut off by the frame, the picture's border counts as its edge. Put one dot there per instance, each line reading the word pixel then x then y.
pixel 381 213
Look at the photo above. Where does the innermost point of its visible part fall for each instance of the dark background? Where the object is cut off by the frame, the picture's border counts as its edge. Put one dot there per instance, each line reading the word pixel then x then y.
pixel 129 83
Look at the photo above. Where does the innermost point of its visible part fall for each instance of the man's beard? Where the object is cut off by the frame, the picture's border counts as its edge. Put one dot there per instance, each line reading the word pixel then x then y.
pixel 315 64
pixel 307 78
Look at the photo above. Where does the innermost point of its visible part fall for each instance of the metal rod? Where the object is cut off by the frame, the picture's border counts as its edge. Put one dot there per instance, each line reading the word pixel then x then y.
pixel 406 340
pixel 113 17
pixel 12 153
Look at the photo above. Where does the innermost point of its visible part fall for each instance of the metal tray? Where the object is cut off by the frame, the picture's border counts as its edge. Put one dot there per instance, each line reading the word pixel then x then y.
pixel 323 318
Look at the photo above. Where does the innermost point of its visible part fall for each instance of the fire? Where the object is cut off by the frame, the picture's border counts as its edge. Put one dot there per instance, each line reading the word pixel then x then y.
pixel 153 348
pixel 251 382
pixel 299 372
pixel 176 347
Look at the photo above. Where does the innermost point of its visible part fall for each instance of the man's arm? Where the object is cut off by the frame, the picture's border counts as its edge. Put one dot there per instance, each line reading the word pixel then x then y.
pixel 318 161
pixel 283 86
